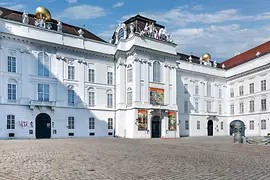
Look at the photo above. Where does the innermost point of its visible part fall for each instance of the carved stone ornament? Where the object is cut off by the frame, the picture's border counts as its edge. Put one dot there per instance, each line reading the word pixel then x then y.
pixel 215 63
pixel 81 32
pixel 131 28
pixel 151 31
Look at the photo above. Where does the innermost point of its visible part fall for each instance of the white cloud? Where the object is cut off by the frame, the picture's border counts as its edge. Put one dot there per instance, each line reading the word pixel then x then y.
pixel 221 41
pixel 83 12
pixel 119 4
pixel 13 6
pixel 72 1
pixel 208 33
pixel 197 8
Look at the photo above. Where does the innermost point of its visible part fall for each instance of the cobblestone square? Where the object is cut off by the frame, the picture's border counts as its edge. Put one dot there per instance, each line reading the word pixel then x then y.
pixel 185 158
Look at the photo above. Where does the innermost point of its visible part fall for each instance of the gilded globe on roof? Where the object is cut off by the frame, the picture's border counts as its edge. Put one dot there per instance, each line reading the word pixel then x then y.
pixel 44 12
pixel 206 57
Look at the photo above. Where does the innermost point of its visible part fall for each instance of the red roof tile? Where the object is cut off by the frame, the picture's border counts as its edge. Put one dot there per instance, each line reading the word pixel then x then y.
pixel 247 56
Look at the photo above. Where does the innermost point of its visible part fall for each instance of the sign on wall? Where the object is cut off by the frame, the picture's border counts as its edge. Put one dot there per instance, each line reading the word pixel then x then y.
pixel 156 96
pixel 172 121
pixel 142 120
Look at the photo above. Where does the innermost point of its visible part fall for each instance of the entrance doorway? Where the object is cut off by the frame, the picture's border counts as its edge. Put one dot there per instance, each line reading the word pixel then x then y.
pixel 210 128
pixel 43 126
pixel 156 127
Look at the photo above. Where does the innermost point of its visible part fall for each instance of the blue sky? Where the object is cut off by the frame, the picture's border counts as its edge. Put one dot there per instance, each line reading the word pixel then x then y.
pixel 221 28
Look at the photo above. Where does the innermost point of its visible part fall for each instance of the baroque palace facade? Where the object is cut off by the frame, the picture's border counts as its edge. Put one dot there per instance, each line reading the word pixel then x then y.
pixel 59 80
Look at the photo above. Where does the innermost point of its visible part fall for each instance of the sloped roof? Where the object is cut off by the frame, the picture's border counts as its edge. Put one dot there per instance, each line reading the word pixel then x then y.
pixel 247 56
pixel 67 28
pixel 195 59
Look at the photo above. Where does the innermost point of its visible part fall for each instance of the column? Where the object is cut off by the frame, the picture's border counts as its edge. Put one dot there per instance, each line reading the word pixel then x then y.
pixel 136 81
pixel 146 83
pixel 167 85
pixel 120 84
pixel 24 61
pixel 174 86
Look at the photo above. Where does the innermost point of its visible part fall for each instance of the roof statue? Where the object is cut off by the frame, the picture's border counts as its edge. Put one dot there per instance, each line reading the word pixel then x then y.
pixel 59 26
pixel 43 15
pixel 206 57
pixel 25 18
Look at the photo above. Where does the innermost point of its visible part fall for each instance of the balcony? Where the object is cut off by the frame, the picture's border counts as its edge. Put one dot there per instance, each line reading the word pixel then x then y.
pixel 36 103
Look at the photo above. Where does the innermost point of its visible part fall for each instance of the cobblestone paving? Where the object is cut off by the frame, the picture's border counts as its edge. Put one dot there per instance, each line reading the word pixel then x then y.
pixel 185 158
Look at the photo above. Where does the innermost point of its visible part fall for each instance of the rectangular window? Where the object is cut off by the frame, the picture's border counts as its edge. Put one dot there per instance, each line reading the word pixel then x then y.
pixel 10 122
pixel 71 97
pixel 232 92
pixel 186 125
pixel 208 106
pixel 221 125
pixel 263 104
pixel 70 122
pixel 197 90
pixel 232 108
pixel 186 107
pixel 129 75
pixel 263 85
pixel 251 88
pixel 109 78
pixel 43 92
pixel 251 125
pixel 263 124
pixel 220 108
pixel 198 125
pixel 251 106
pixel 220 93
pixel 11 64
pixel 241 90
pixel 241 107
pixel 91 75
pixel 129 98
pixel 196 106
pixel 91 123
pixel 186 88
pixel 71 72
pixel 110 123
pixel 109 100
pixel 12 88
pixel 208 89
pixel 91 98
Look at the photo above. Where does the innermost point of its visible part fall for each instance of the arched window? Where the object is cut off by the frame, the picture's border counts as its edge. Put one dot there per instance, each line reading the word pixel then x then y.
pixel 156 71
pixel 10 122
pixel 263 124
pixel 71 122
pixel 129 73
pixel 196 105
pixel 208 89
pixel 197 89
pixel 91 96
pixel 109 98
pixel 129 97
pixel 43 64
pixel 121 34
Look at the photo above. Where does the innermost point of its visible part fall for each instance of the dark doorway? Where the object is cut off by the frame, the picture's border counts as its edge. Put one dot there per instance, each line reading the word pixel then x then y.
pixel 43 126
pixel 210 128
pixel 242 127
pixel 156 127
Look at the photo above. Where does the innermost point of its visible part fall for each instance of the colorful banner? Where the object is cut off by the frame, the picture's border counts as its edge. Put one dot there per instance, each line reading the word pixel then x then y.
pixel 172 121
pixel 156 96
pixel 142 120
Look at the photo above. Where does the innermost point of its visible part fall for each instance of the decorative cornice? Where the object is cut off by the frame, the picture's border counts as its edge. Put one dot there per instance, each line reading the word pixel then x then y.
pixel 249 72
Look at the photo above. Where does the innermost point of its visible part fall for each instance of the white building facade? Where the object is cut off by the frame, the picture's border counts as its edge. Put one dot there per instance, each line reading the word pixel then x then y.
pixel 58 80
